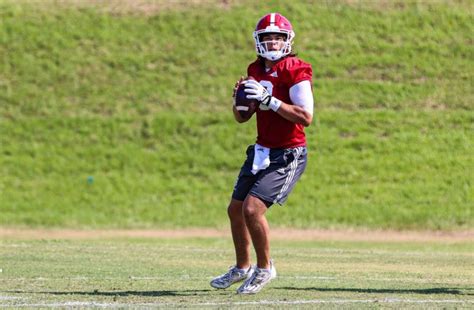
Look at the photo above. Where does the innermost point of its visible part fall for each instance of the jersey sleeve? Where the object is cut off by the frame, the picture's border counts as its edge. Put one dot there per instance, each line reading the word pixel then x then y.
pixel 300 72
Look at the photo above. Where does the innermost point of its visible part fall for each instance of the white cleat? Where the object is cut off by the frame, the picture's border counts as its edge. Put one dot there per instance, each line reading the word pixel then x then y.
pixel 258 280
pixel 232 276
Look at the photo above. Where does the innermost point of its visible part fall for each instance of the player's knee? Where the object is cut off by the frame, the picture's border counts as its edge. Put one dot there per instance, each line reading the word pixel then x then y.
pixel 234 210
pixel 253 207
pixel 250 209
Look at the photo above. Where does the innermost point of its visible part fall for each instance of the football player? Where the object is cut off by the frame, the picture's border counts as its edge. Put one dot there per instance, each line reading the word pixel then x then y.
pixel 283 88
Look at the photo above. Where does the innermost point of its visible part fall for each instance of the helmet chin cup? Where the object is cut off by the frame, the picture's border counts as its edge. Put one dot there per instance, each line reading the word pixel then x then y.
pixel 273 55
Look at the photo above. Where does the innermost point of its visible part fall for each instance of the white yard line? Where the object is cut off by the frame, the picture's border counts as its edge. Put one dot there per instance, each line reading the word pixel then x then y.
pixel 196 278
pixel 10 298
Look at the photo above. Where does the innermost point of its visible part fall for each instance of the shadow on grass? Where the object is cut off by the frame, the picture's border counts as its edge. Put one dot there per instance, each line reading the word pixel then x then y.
pixel 427 291
pixel 124 293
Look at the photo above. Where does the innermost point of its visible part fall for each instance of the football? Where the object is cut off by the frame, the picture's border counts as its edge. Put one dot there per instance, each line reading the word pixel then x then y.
pixel 246 107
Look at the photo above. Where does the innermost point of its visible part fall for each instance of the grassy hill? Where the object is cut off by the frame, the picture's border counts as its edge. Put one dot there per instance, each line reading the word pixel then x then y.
pixel 119 115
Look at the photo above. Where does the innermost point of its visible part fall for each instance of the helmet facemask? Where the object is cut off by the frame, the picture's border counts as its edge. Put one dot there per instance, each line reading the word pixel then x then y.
pixel 264 49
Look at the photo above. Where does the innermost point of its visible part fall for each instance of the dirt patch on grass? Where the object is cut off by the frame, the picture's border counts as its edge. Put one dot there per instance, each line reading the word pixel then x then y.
pixel 276 234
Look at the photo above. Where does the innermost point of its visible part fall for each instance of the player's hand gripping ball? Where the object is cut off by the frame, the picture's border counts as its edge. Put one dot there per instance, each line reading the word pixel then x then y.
pixel 246 107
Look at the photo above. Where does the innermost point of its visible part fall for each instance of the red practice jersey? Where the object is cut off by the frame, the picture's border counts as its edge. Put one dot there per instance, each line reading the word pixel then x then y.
pixel 274 131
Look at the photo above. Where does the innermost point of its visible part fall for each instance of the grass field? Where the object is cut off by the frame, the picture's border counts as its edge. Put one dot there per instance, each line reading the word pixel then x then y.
pixel 174 272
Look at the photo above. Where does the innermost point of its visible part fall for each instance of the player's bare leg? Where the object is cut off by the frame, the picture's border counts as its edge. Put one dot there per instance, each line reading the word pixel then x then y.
pixel 242 270
pixel 254 212
pixel 240 234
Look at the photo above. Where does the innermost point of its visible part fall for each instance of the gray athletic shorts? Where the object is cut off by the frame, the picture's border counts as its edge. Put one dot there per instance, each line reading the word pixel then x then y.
pixel 274 184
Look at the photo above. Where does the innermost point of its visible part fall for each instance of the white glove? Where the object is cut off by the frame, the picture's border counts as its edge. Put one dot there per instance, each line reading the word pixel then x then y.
pixel 255 90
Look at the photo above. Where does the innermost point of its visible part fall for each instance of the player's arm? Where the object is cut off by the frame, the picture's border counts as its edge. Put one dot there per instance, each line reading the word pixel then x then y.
pixel 301 94
pixel 301 111
pixel 295 114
